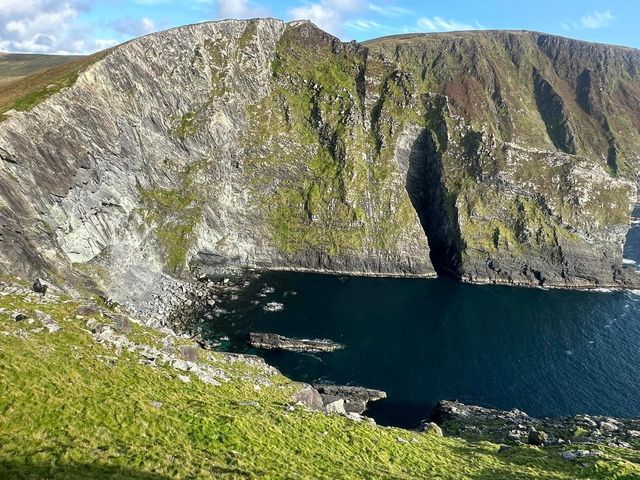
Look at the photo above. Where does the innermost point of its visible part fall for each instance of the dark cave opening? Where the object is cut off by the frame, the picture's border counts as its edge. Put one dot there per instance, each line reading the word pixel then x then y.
pixel 435 206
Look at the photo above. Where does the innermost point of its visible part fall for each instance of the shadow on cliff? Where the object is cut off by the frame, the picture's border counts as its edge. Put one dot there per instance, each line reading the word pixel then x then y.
pixel 434 205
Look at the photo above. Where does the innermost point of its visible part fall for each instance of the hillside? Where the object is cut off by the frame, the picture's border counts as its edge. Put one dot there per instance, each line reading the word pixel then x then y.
pixel 39 82
pixel 138 403
pixel 17 65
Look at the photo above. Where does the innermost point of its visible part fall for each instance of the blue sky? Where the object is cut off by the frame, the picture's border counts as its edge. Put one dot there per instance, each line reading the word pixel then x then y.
pixel 83 26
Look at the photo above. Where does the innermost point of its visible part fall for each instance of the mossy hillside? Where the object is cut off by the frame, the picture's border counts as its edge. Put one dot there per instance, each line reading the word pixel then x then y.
pixel 249 34
pixel 552 196
pixel 17 65
pixel 488 79
pixel 26 93
pixel 173 213
pixel 73 408
pixel 322 180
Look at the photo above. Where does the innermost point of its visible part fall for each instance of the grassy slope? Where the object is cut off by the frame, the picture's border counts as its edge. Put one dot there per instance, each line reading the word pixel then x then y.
pixel 25 93
pixel 16 65
pixel 64 413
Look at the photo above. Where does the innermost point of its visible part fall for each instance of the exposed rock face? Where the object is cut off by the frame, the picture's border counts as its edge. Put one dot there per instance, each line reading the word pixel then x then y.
pixel 343 399
pixel 516 427
pixel 272 145
pixel 355 398
pixel 271 341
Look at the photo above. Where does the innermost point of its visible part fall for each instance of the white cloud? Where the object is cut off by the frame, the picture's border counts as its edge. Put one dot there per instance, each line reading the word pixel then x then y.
pixel 44 26
pixel 439 24
pixel 593 21
pixel 238 9
pixel 363 25
pixel 330 15
pixel 389 10
pixel 134 27
pixel 104 43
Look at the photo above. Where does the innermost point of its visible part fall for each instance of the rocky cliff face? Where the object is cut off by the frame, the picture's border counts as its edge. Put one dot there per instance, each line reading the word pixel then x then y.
pixel 273 145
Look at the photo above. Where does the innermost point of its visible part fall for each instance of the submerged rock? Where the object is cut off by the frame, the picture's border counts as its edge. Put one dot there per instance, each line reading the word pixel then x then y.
pixel 272 341
pixel 273 307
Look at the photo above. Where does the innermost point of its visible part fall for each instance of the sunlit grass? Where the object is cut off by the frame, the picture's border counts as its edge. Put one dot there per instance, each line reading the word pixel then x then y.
pixel 68 410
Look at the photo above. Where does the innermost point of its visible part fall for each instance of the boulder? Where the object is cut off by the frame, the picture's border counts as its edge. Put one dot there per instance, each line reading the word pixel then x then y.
pixel 538 438
pixel 309 397
pixel 40 286
pixel 434 428
pixel 336 407
pixel 355 398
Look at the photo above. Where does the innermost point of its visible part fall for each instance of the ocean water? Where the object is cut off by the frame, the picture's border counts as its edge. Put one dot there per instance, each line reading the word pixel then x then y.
pixel 547 352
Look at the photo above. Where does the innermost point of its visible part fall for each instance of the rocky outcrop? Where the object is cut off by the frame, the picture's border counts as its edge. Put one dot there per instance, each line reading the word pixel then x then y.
pixel 272 341
pixel 355 398
pixel 345 400
pixel 516 427
pixel 503 157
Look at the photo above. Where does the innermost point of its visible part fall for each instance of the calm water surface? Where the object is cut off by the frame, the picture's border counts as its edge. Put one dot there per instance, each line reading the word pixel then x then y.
pixel 547 352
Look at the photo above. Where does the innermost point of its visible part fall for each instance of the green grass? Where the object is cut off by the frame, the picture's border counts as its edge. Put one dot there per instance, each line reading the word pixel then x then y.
pixel 16 65
pixel 25 93
pixel 67 414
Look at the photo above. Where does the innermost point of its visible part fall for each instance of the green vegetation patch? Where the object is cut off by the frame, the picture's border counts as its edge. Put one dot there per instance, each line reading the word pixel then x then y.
pixel 26 93
pixel 75 409
pixel 322 182
pixel 174 213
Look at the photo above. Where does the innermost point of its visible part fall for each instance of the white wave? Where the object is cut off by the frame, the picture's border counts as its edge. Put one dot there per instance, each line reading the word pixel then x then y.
pixel 603 290
pixel 628 261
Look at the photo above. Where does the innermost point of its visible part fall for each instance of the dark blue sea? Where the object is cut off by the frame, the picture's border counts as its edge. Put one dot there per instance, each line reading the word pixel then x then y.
pixel 546 352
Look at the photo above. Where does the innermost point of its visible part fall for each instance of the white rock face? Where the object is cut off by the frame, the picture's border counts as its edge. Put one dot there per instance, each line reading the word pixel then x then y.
pixel 83 157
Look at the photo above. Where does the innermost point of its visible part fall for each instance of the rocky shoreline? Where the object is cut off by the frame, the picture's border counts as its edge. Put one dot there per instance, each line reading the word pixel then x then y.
pixel 515 427
pixel 451 418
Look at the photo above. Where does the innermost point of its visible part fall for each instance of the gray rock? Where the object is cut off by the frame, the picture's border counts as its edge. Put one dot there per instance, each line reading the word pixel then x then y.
pixel 40 286
pixel 272 341
pixel 191 354
pixel 309 397
pixel 47 321
pixel 336 407
pixel 431 427
pixel 608 426
pixel 355 399
pixel 514 427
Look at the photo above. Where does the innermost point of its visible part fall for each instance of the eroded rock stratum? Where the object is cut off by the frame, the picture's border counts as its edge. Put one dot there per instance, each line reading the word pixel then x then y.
pixel 488 156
